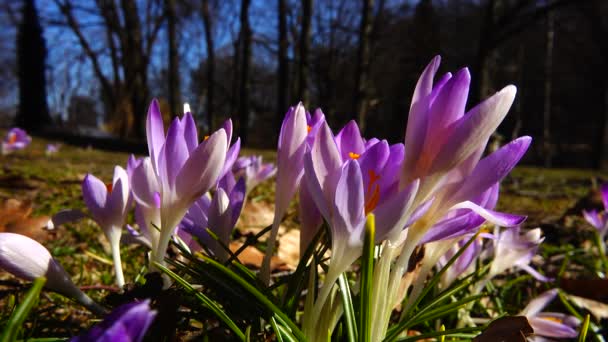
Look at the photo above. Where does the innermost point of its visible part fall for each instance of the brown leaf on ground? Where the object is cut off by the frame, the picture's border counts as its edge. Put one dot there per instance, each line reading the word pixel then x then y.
pixel 253 257
pixel 599 310
pixel 15 218
pixel 255 217
pixel 507 329
pixel 289 248
pixel 596 289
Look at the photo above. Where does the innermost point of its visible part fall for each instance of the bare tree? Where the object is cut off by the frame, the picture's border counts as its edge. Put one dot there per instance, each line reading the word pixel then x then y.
pixel 210 71
pixel 173 72
pixel 303 91
pixel 245 42
pixel 283 71
pixel 363 63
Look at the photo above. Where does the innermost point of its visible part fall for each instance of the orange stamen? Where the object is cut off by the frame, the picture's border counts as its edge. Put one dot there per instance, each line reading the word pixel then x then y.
pixel 308 128
pixel 109 187
pixel 553 319
pixel 206 137
pixel 353 155
pixel 12 138
pixel 375 197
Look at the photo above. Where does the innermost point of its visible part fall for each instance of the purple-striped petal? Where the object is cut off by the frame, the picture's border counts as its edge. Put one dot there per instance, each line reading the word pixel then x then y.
pixel 495 217
pixel 190 132
pixel 155 132
pixel 349 140
pixel 349 205
pixel 391 214
pixel 94 192
pixel 175 153
pixel 144 184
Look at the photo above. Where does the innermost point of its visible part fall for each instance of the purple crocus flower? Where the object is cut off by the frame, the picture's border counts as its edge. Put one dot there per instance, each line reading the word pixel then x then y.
pixel 464 265
pixel 177 172
pixel 599 220
pixel 219 214
pixel 52 149
pixel 16 139
pixel 549 324
pixel 290 158
pixel 512 249
pixel 27 259
pixel 127 323
pixel 109 205
pixel 253 170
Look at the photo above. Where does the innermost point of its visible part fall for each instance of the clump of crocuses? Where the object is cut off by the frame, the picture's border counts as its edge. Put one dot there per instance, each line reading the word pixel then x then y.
pixel 422 200
pixel 16 139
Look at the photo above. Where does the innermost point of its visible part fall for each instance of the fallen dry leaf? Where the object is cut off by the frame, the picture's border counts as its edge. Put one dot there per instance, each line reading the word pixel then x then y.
pixel 253 257
pixel 15 218
pixel 599 310
pixel 289 248
pixel 506 329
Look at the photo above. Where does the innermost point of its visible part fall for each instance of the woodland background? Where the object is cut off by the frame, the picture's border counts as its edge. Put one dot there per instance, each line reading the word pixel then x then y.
pixel 89 68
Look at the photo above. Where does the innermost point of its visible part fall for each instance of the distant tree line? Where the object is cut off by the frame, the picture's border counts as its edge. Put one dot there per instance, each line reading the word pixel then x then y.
pixel 357 60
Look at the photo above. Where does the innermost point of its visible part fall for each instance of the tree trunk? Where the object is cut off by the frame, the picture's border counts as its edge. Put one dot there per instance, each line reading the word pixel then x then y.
pixel 283 72
pixel 363 64
pixel 210 63
pixel 174 88
pixel 244 107
pixel 304 51
pixel 547 146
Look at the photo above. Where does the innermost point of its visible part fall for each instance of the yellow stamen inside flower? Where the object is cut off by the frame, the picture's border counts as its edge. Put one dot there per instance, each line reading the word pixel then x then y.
pixel 354 155
pixel 374 189
pixel 12 138
pixel 206 137
pixel 553 319
pixel 308 128
pixel 109 187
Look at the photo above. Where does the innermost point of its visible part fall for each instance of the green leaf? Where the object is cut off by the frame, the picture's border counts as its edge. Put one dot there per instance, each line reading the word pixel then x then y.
pixel 11 330
pixel 367 276
pixel 451 332
pixel 582 336
pixel 349 311
pixel 207 302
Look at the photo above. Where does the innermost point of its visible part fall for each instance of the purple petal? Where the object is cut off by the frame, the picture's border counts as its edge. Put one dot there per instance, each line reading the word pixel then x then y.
pixel 495 217
pixel 372 166
pixel 604 191
pixel 155 132
pixel 449 104
pixel 474 129
pixel 310 217
pixel 237 199
pixel 203 167
pixel 326 160
pixel 227 126
pixel 314 187
pixel 550 328
pixel 534 273
pixel 231 156
pixel 537 304
pixel 190 133
pixel 175 153
pixel 453 227
pixel 144 184
pixel 491 169
pixel 349 140
pixel 391 214
pixel 94 193
pixel 349 204
pixel 593 218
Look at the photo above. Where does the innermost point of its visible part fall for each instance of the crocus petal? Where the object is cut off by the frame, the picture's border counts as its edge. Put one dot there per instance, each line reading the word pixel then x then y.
pixel 492 169
pixel 349 140
pixel 349 204
pixel 231 156
pixel 314 187
pixel 450 102
pixel 128 322
pixel 227 126
pixel 474 129
pixel 604 191
pixel 190 133
pixel 593 218
pixel 326 160
pixel 94 193
pixel 117 201
pixel 391 215
pixel 417 120
pixel 201 170
pixel 549 328
pixel 310 217
pixel 534 273
pixel 155 132
pixel 144 184
pixel 175 153
pixel 537 304
pixel 453 227
pixel 495 217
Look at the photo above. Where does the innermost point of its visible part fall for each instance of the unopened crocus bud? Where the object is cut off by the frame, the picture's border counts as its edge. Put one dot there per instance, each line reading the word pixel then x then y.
pixel 27 259
pixel 128 322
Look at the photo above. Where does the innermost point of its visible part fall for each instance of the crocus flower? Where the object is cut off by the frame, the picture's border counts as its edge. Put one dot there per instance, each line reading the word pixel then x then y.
pixel 27 259
pixel 51 149
pixel 512 249
pixel 464 265
pixel 127 323
pixel 253 170
pixel 219 214
pixel 16 139
pixel 599 220
pixel 109 205
pixel 549 324
pixel 290 158
pixel 177 172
